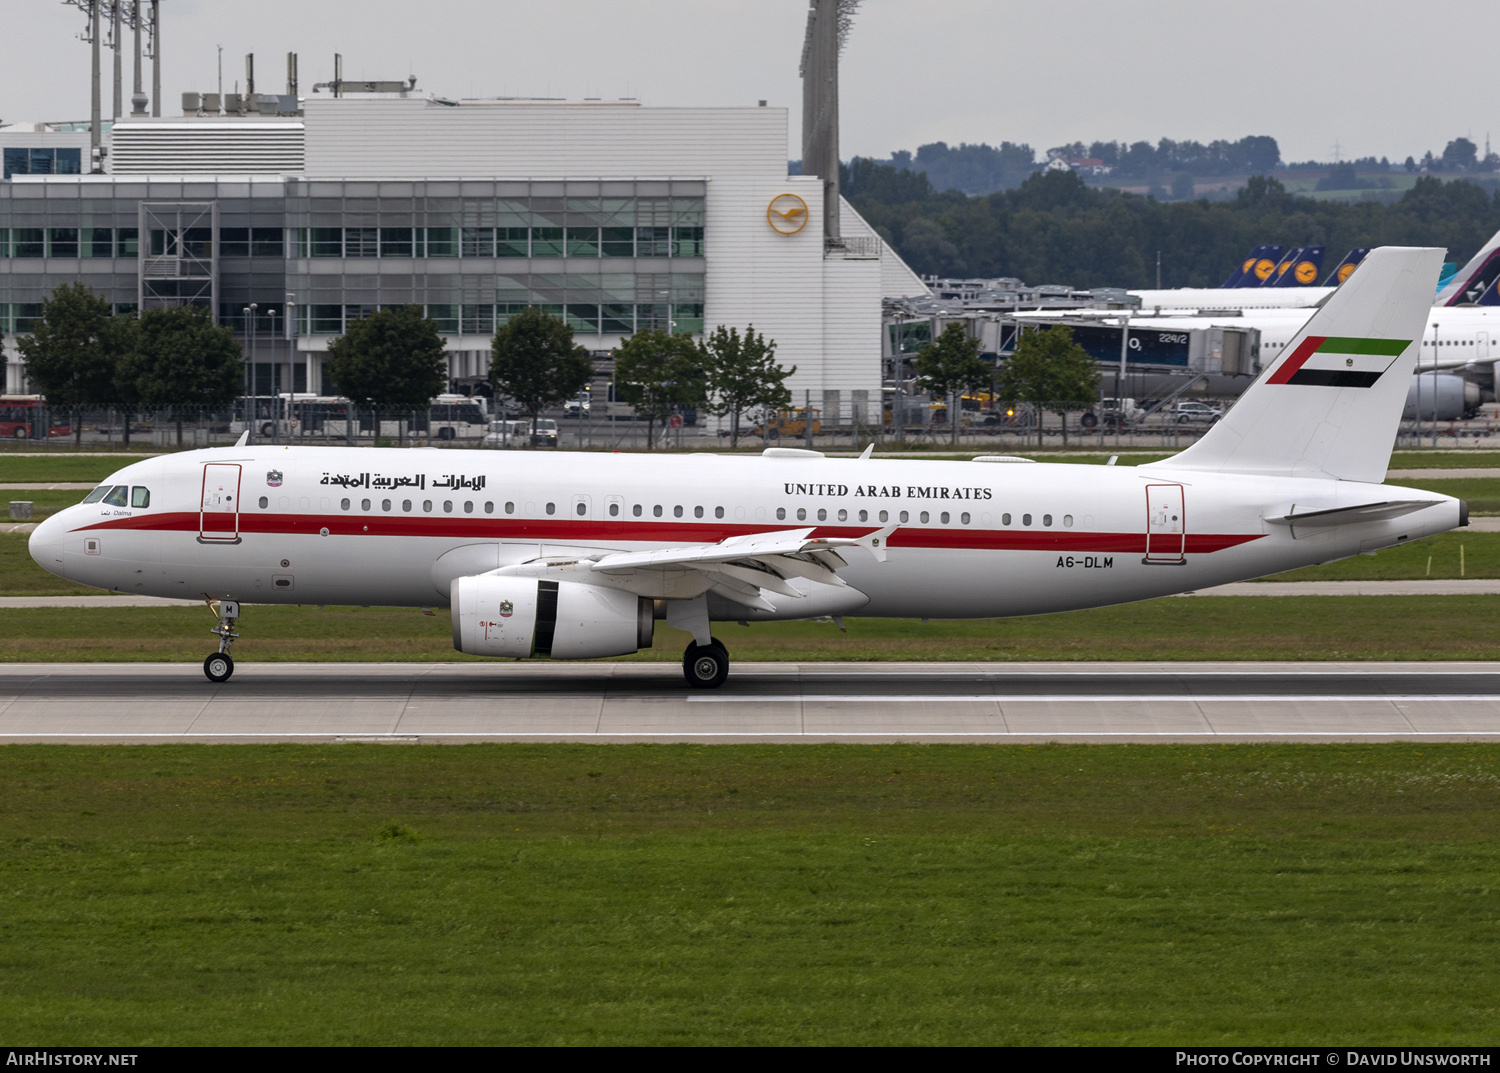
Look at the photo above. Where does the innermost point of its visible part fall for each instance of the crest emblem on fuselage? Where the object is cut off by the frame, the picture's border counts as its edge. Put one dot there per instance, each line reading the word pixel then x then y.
pixel 507 609
pixel 273 478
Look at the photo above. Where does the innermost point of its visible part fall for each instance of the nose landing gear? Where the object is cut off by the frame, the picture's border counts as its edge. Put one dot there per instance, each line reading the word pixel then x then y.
pixel 220 665
pixel 706 666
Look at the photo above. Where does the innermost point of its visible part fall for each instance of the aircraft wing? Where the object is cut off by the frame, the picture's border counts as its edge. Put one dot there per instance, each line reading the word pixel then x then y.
pixel 789 563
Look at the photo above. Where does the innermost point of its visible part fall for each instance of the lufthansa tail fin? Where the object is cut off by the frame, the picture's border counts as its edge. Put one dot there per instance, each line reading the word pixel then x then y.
pixel 1300 268
pixel 1345 268
pixel 1245 275
pixel 1474 283
pixel 1330 404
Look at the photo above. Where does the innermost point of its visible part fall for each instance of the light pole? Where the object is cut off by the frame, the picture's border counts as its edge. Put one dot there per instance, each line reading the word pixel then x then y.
pixel 275 395
pixel 1434 390
pixel 291 359
pixel 250 407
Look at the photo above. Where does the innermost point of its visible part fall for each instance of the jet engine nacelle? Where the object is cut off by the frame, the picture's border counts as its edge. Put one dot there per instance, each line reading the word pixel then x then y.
pixel 519 616
pixel 1450 395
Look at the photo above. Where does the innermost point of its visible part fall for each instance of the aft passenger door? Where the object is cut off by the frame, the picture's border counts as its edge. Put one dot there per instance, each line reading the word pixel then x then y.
pixel 219 512
pixel 1166 528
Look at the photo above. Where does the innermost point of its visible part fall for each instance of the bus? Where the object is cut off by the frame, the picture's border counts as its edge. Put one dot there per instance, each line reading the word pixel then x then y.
pixel 22 418
pixel 449 417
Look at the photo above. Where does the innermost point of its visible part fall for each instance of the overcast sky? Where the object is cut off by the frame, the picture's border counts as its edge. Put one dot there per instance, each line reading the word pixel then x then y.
pixel 1376 77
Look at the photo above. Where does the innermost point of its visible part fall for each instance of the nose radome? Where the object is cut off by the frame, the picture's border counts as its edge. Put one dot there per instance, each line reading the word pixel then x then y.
pixel 46 542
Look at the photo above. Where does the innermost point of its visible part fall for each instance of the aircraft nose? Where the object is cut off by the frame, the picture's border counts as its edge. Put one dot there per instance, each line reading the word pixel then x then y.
pixel 46 542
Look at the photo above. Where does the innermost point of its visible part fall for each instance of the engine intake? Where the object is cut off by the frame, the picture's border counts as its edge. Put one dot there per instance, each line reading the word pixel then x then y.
pixel 524 617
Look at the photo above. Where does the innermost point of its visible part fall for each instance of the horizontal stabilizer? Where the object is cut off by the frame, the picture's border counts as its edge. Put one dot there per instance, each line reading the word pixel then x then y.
pixel 1364 512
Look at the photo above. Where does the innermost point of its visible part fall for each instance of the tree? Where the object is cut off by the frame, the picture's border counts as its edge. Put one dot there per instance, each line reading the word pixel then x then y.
pixel 535 362
pixel 950 365
pixel 1051 372
pixel 178 357
pixel 1460 155
pixel 656 372
pixel 742 374
pixel 390 360
pixel 73 352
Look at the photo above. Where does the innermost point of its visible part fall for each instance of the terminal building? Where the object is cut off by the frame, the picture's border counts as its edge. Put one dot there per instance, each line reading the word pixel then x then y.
pixel 616 216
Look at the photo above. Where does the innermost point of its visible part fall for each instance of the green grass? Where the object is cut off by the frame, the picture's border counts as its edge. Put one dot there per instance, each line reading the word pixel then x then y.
pixel 62 467
pixel 44 501
pixel 1436 557
pixel 21 576
pixel 1445 460
pixel 576 894
pixel 1195 628
pixel 1481 493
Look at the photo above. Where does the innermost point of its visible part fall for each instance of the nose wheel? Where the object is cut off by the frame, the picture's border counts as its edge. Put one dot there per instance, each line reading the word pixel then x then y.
pixel 220 665
pixel 706 666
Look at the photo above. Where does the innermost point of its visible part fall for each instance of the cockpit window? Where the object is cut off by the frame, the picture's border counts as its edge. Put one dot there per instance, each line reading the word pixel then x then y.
pixel 119 496
pixel 140 497
pixel 97 494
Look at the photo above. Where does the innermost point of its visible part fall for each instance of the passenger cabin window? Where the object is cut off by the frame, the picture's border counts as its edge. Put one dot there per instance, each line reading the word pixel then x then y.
pixel 344 504
pixel 614 509
pixel 677 512
pixel 636 510
pixel 264 502
pixel 364 504
pixel 489 508
pixel 510 508
pixel 718 512
pixel 583 509
pixel 697 512
pixel 406 505
pixel 780 514
pixel 140 497
pixel 551 508
pixel 119 496
pixel 385 504
pixel 468 507
pixel 905 517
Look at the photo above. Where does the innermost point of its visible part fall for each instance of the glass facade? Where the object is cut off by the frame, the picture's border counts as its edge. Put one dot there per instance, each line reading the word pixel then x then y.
pixel 36 161
pixel 611 258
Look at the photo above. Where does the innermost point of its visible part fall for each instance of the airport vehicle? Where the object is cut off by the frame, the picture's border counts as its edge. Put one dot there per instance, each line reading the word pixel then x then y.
pixel 575 556
pixel 1194 413
pixel 22 417
pixel 790 423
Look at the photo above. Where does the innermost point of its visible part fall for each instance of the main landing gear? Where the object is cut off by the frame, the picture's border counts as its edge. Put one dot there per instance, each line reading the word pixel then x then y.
pixel 220 665
pixel 706 666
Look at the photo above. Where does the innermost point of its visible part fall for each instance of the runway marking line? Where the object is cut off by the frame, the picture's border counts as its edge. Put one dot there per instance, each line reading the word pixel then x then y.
pixel 1103 698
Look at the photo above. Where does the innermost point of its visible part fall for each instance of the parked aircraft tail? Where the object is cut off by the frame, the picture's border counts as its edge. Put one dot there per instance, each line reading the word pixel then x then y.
pixel 1474 283
pixel 1345 268
pixel 1299 268
pixel 1330 404
pixel 1246 274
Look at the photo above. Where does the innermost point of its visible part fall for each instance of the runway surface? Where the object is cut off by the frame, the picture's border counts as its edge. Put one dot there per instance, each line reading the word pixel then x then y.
pixel 824 702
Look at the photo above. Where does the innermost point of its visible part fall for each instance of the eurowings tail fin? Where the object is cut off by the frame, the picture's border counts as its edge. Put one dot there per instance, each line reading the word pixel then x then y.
pixel 1245 274
pixel 1474 283
pixel 1330 404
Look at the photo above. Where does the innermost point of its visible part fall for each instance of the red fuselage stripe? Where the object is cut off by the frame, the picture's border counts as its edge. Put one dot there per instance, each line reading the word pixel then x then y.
pixel 654 531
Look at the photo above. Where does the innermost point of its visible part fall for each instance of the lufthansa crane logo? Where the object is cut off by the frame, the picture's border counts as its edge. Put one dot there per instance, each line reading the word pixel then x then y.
pixel 1307 272
pixel 1346 271
pixel 1263 268
pixel 787 214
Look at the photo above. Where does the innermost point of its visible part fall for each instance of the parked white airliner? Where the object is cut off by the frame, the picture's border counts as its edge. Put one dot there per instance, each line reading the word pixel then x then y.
pixel 573 556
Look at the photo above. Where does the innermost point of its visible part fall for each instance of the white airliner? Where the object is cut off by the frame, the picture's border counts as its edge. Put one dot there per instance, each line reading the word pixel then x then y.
pixel 575 556
pixel 1470 285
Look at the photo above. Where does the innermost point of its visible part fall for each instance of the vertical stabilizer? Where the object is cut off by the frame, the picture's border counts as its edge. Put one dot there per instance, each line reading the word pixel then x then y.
pixel 1245 275
pixel 1330 404
pixel 1468 285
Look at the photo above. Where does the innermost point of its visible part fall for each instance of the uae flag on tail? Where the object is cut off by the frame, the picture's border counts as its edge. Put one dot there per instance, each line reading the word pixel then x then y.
pixel 1329 361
